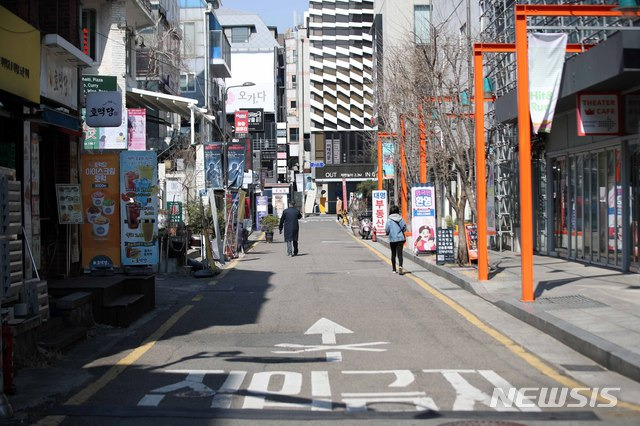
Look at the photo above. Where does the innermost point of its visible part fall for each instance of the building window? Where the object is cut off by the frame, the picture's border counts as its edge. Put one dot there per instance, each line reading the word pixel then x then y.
pixel 188 38
pixel 293 135
pixel 89 33
pixel 293 104
pixel 421 23
pixel 240 34
pixel 294 81
pixel 188 82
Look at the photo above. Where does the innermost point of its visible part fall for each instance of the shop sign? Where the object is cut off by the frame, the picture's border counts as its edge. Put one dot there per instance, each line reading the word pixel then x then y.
pixel 255 119
pixel 104 109
pixel 137 129
pixel 174 209
pixel 282 155
pixel 139 209
pixel 282 170
pixel 99 83
pixel 423 219
pixel 100 197
pixel 241 122
pixel 19 57
pixel 262 208
pixel 213 165
pixel 351 171
pixel 379 201
pixel 598 114
pixel 58 79
pixel 283 190
pixel 69 199
pixel 632 114
pixel 105 137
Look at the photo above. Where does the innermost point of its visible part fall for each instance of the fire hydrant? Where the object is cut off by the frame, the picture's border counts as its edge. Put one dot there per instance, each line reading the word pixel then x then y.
pixel 374 238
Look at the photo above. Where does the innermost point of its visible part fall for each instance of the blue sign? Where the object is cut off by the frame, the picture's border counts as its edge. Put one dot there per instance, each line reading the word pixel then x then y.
pixel 319 164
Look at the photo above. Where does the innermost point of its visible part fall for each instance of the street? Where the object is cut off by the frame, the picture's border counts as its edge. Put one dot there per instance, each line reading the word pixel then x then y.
pixel 328 335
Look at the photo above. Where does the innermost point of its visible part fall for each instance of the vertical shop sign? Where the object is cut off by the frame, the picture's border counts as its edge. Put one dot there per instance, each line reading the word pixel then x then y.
pixel 100 181
pixel 423 220
pixel 213 165
pixel 546 61
pixel 235 164
pixel 139 210
pixel 262 209
pixel 137 129
pixel 241 122
pixel 379 200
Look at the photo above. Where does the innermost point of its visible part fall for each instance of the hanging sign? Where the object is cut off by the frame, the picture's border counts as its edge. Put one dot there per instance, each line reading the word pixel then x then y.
pixel 139 209
pixel 255 119
pixel 105 137
pixel 104 109
pixel 387 160
pixel 213 165
pixel 235 165
pixel 379 201
pixel 546 61
pixel 241 122
pixel 423 220
pixel 598 114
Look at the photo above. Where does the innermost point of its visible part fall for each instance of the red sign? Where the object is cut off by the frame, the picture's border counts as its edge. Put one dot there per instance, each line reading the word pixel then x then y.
pixel 242 122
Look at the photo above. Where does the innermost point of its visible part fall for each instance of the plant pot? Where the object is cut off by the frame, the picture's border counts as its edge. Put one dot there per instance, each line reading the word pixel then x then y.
pixel 268 236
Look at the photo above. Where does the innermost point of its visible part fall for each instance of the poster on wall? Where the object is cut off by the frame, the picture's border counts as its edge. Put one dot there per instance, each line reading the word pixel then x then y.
pixel 213 165
pixel 69 204
pixel 235 165
pixel 423 220
pixel 137 128
pixel 139 207
pixel 105 137
pixel 379 201
pixel 262 209
pixel 598 114
pixel 100 180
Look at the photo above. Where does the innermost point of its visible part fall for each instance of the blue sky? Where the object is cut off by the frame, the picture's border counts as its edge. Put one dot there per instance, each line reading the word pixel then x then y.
pixel 272 12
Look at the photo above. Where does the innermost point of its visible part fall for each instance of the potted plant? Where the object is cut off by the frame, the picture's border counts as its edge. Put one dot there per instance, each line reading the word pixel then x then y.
pixel 269 222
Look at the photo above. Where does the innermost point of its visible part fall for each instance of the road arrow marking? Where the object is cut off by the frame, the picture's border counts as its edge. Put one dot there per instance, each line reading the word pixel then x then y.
pixel 328 329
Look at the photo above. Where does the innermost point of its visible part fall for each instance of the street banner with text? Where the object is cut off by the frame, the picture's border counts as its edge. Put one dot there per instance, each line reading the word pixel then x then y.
pixel 379 201
pixel 546 61
pixel 423 219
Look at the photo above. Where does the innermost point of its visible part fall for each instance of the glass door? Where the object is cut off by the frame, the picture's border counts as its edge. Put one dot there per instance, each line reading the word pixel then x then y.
pixel 560 231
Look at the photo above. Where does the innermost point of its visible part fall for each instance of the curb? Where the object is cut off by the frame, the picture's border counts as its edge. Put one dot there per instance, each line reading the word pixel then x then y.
pixel 609 355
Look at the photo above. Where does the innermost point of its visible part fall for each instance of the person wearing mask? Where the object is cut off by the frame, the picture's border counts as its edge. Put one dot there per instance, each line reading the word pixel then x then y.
pixel 395 229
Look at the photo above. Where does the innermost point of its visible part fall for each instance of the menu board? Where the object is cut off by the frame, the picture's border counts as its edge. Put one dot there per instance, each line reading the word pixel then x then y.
pixel 69 204
pixel 444 246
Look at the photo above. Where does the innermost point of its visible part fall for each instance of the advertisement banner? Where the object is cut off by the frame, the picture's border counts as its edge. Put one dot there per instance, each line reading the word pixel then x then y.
pixel 235 165
pixel 546 61
pixel 105 137
pixel 139 209
pixel 241 122
pixel 388 149
pixel 100 179
pixel 262 209
pixel 379 201
pixel 598 114
pixel 137 119
pixel 213 165
pixel 423 220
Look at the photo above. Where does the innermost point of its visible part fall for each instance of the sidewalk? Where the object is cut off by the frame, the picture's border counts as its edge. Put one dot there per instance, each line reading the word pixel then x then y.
pixel 593 310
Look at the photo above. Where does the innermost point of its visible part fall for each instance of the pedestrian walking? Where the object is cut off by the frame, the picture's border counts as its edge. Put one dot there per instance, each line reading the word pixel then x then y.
pixel 395 229
pixel 289 222
pixel 339 209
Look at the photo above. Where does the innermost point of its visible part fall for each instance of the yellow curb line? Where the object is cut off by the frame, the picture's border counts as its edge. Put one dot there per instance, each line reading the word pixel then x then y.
pixel 514 347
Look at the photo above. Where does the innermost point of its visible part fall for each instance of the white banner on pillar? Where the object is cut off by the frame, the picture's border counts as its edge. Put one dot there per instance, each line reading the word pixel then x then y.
pixel 546 60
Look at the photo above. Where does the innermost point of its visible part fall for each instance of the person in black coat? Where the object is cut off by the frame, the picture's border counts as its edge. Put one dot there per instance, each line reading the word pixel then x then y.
pixel 289 221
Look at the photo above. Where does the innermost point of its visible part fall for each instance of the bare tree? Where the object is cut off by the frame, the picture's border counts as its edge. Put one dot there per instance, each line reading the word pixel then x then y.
pixel 430 83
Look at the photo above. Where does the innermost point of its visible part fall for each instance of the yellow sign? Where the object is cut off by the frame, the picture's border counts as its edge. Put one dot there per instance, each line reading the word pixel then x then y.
pixel 19 57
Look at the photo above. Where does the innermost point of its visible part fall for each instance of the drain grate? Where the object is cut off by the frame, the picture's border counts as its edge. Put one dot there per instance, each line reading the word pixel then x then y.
pixel 575 301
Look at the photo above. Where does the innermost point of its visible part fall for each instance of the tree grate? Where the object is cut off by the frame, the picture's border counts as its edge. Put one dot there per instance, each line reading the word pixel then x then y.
pixel 574 301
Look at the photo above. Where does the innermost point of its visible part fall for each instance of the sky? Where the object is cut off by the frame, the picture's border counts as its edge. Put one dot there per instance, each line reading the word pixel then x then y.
pixel 272 12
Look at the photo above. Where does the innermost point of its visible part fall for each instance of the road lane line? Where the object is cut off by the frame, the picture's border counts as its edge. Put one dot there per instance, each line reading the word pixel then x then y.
pixel 197 298
pixel 320 391
pixel 334 356
pixel 507 342
pixel 117 369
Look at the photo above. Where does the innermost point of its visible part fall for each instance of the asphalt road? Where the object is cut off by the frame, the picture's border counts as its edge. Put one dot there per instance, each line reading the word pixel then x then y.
pixel 328 336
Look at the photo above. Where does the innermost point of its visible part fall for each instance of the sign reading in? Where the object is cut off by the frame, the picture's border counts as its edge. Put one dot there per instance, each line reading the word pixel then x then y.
pixel 379 200
pixel 598 114
pixel 242 122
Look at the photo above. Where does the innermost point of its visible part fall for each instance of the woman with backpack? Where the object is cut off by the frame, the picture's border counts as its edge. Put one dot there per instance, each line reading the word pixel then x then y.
pixel 395 229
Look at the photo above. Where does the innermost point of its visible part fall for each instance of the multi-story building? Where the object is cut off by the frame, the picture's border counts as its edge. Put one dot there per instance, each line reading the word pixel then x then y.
pixel 341 94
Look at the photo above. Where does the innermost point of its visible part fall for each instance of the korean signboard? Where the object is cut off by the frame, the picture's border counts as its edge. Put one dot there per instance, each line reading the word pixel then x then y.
pixel 241 122
pixel 423 221
pixel 598 114
pixel 104 109
pixel 139 209
pixel 100 181
pixel 255 119
pixel 235 164
pixel 258 68
pixel 379 200
pixel 174 209
pixel 358 171
pixel 213 165
pixel 58 79
pixel 137 129
pixel 105 137
pixel 69 204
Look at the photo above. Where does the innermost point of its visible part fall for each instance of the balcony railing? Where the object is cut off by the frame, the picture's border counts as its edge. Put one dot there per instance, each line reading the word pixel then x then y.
pixel 220 54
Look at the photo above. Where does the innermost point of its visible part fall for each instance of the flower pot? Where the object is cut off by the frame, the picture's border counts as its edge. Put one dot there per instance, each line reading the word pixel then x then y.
pixel 268 236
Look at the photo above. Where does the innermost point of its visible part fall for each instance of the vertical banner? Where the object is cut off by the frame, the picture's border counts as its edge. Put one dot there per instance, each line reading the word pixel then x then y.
pixel 379 201
pixel 423 220
pixel 241 122
pixel 235 165
pixel 546 61
pixel 213 165
pixel 137 128
pixel 217 242
pixel 262 209
pixel 491 198
pixel 100 179
pixel 388 167
pixel 345 202
pixel 139 209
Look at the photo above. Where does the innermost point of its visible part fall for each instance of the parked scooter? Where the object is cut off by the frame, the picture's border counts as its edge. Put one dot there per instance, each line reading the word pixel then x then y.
pixel 365 228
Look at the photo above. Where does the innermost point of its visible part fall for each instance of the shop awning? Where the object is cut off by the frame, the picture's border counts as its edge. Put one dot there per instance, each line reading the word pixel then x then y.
pixel 67 51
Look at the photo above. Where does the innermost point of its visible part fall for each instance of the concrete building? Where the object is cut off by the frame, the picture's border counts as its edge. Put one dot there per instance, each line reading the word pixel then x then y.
pixel 341 95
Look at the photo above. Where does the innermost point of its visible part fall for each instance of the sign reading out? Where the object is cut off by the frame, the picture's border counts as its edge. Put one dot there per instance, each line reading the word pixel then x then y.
pixel 444 246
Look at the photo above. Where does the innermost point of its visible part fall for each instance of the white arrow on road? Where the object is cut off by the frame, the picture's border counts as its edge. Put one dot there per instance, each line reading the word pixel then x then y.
pixel 328 329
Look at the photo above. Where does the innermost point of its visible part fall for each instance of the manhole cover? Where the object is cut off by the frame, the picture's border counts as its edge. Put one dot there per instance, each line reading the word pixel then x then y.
pixel 569 302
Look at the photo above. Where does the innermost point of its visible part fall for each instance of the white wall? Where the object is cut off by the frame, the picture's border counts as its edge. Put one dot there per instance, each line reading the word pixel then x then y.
pixel 256 67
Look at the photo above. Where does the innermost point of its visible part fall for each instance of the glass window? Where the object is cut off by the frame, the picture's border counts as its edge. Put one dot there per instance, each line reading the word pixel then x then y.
pixel 187 82
pixel 294 134
pixel 89 32
pixel 240 34
pixel 586 208
pixel 294 81
pixel 293 104
pixel 421 24
pixel 188 38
